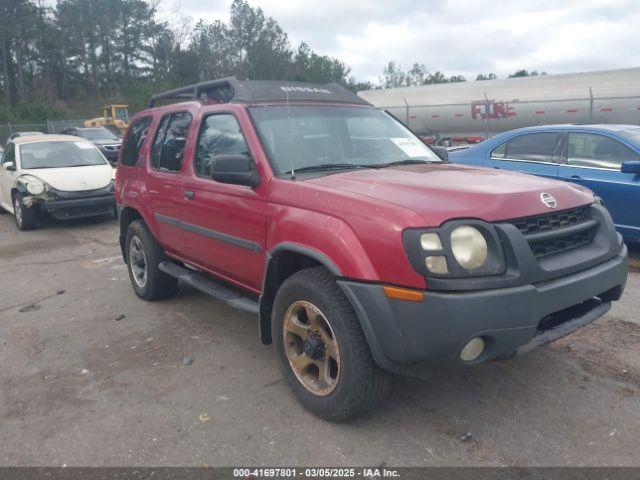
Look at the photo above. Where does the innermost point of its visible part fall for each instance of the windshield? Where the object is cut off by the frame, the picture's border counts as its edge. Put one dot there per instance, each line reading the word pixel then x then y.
pixel 59 155
pixel 97 134
pixel 303 137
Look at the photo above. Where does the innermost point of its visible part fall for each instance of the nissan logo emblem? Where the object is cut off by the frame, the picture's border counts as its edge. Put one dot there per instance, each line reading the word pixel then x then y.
pixel 548 200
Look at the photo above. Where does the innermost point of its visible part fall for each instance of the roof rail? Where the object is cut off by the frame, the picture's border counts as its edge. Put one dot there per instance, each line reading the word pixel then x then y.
pixel 230 89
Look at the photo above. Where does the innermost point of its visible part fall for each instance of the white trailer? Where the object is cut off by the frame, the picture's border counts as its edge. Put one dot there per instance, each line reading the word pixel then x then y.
pixel 474 110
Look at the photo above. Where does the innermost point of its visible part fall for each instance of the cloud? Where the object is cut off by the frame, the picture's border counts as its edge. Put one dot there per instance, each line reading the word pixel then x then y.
pixel 456 36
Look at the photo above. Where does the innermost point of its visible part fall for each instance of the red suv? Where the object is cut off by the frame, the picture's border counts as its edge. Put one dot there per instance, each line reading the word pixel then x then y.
pixel 361 251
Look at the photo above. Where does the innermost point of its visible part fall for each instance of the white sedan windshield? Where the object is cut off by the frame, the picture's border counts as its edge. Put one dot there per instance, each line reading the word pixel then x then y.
pixel 59 155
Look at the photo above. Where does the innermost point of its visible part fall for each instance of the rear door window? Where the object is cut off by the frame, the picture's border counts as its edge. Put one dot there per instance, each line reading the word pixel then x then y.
pixel 534 147
pixel 134 141
pixel 167 152
pixel 597 151
pixel 220 134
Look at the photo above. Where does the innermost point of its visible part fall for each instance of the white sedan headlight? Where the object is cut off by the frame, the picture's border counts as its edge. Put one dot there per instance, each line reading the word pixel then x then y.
pixel 35 186
pixel 469 247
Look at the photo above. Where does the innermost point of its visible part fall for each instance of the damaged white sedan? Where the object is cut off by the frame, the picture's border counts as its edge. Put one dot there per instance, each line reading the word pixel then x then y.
pixel 60 175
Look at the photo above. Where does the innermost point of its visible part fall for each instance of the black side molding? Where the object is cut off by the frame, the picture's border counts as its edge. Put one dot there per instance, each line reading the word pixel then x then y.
pixel 216 289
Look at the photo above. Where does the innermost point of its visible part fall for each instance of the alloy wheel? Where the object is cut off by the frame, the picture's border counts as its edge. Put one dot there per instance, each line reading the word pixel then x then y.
pixel 311 348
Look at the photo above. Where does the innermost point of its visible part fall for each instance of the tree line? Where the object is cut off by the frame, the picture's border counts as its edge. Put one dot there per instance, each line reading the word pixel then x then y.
pixel 394 76
pixel 85 52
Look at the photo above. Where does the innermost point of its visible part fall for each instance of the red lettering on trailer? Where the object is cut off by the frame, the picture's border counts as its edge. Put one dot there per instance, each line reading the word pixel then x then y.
pixel 457 115
pixel 572 110
pixel 435 115
pixel 412 116
pixel 482 109
pixel 606 109
pixel 539 112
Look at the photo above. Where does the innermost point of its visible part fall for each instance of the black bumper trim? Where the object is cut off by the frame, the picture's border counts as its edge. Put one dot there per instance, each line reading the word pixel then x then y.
pixel 402 334
pixel 80 207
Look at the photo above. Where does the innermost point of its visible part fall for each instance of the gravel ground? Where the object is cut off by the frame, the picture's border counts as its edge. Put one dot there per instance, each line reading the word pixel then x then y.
pixel 90 375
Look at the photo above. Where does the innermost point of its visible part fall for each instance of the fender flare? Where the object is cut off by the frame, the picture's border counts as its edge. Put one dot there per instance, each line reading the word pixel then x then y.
pixel 264 309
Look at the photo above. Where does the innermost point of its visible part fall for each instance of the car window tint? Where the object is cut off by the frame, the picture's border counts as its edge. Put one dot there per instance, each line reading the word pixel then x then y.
pixel 134 141
pixel 156 148
pixel 598 151
pixel 175 139
pixel 534 147
pixel 219 135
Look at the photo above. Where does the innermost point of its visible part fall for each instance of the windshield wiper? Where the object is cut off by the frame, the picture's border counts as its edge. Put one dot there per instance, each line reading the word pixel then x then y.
pixel 327 166
pixel 407 161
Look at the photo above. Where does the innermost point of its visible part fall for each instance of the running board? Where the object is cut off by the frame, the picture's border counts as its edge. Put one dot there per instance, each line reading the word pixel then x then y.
pixel 216 289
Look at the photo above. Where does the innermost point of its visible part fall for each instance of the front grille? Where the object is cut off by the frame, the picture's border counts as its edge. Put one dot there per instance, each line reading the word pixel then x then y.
pixel 552 233
pixel 552 221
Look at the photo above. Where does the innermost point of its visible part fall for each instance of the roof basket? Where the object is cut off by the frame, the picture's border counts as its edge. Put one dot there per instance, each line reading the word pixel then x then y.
pixel 230 89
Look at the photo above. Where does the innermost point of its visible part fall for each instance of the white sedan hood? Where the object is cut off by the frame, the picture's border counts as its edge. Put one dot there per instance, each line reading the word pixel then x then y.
pixel 74 179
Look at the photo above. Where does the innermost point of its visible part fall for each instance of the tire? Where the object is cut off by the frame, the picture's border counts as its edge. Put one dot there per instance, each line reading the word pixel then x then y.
pixel 26 218
pixel 357 385
pixel 144 253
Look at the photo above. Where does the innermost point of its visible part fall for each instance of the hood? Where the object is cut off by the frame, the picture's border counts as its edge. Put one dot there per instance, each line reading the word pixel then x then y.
pixel 442 192
pixel 74 179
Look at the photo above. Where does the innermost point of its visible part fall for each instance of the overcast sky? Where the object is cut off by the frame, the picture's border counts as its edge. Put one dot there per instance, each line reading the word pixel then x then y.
pixel 455 36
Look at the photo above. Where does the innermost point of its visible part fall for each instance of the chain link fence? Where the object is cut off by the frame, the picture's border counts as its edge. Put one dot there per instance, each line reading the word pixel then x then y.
pixel 49 126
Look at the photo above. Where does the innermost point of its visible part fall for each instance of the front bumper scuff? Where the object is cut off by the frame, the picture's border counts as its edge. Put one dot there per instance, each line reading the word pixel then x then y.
pixel 404 335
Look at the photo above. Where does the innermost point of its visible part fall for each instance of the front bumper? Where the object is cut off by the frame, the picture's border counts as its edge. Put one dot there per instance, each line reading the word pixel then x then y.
pixel 511 320
pixel 81 207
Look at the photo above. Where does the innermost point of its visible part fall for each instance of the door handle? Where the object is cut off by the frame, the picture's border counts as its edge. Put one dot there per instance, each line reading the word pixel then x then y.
pixel 497 168
pixel 189 195
pixel 576 177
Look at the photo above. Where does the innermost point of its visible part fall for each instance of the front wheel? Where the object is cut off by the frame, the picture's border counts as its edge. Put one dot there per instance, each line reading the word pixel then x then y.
pixel 26 217
pixel 143 257
pixel 321 348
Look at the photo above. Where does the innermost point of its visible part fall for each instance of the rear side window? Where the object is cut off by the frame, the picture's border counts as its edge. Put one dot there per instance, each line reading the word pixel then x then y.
pixel 597 151
pixel 134 141
pixel 167 152
pixel 534 147
pixel 219 135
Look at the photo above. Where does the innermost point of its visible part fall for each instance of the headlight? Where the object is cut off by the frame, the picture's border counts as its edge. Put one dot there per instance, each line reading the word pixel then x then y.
pixel 456 249
pixel 35 187
pixel 469 247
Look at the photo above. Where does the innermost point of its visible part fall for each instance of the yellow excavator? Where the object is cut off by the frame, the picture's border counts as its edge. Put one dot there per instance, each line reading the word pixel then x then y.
pixel 115 117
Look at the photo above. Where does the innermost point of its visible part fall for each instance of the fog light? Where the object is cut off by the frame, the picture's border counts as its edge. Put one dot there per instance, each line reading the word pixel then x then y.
pixel 472 350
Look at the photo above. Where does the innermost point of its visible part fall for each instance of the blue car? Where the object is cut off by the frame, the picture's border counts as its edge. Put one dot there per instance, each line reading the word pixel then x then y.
pixel 603 158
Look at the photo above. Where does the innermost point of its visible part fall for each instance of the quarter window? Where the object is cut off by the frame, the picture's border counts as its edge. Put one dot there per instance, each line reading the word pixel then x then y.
pixel 167 151
pixel 9 154
pixel 134 141
pixel 500 151
pixel 219 135
pixel 534 147
pixel 597 151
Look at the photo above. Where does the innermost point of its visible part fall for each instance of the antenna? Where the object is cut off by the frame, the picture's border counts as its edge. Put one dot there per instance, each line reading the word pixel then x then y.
pixel 293 170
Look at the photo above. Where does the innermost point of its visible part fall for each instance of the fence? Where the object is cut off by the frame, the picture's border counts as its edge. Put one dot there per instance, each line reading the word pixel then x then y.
pixel 49 126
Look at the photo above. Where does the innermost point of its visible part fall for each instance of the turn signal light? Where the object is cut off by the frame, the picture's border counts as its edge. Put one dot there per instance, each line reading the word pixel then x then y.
pixel 403 293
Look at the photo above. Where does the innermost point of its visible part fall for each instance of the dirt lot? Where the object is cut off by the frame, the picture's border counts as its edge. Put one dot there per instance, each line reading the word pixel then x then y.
pixel 90 375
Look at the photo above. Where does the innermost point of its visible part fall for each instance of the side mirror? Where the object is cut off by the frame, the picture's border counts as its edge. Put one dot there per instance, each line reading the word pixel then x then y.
pixel 9 166
pixel 632 166
pixel 442 152
pixel 235 169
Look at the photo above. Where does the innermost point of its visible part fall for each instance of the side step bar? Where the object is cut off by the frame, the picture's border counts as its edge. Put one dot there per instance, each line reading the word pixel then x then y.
pixel 216 289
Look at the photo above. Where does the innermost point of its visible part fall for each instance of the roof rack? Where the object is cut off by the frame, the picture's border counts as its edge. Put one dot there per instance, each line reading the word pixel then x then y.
pixel 230 89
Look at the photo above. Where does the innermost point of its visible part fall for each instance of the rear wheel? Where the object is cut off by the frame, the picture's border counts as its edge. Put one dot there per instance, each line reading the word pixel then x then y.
pixel 143 257
pixel 26 218
pixel 321 348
